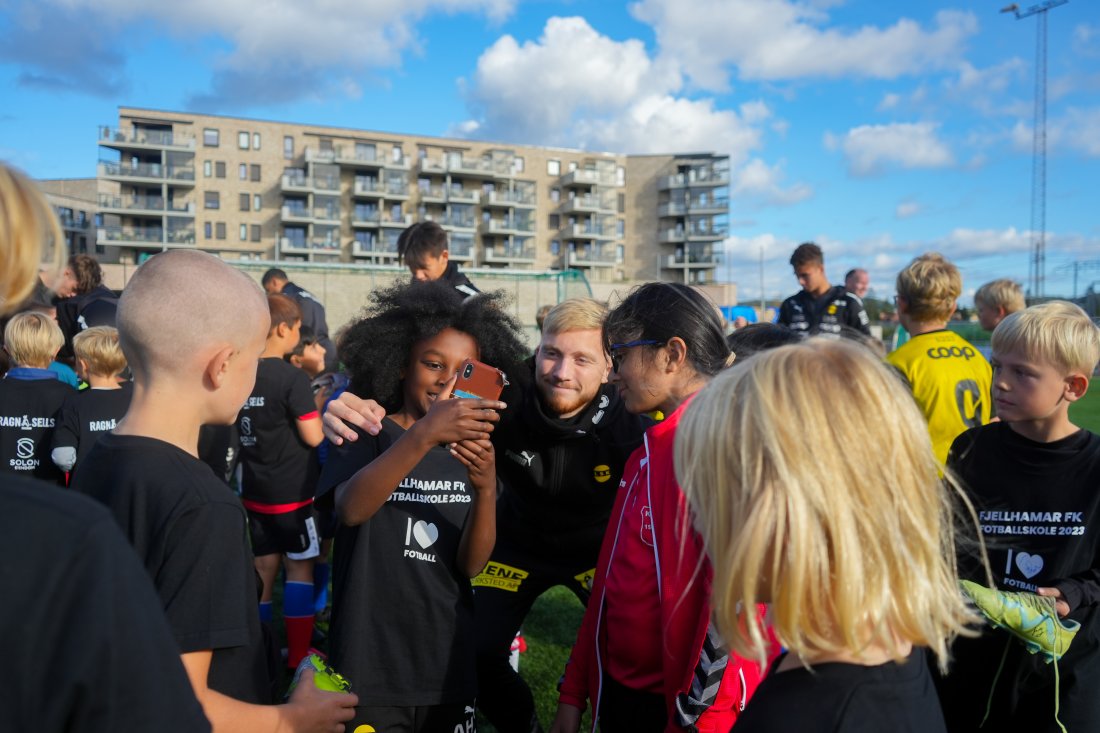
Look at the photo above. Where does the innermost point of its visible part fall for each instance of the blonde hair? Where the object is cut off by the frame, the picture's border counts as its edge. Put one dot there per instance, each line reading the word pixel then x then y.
pixel 853 542
pixel 1001 293
pixel 1057 332
pixel 575 314
pixel 98 348
pixel 27 224
pixel 931 285
pixel 32 339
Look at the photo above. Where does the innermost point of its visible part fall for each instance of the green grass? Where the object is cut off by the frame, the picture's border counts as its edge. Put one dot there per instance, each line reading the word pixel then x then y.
pixel 1086 412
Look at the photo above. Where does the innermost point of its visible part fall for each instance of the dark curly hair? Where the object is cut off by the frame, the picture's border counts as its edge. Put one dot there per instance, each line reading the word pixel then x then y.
pixel 376 348
pixel 660 310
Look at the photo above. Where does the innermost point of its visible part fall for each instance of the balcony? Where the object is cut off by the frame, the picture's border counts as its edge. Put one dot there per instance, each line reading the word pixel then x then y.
pixel 433 194
pixel 710 206
pixel 134 205
pixel 181 237
pixel 314 155
pixel 367 188
pixel 401 164
pixel 480 168
pixel 689 259
pixel 400 222
pixel 326 183
pixel 377 249
pixel 587 177
pixel 431 167
pixel 308 246
pixel 396 188
pixel 463 196
pixel 592 204
pixel 457 222
pixel 508 199
pixel 140 236
pixel 672 236
pixel 672 209
pixel 145 139
pixel 462 249
pixel 591 257
pixel 350 155
pixel 706 233
pixel 365 217
pixel 507 226
pixel 588 231
pixel 327 214
pixel 146 172
pixel 298 214
pixel 696 178
pixel 510 253
pixel 296 183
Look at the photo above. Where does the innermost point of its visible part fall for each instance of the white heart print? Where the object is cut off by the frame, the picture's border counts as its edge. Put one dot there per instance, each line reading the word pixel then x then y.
pixel 1030 565
pixel 425 533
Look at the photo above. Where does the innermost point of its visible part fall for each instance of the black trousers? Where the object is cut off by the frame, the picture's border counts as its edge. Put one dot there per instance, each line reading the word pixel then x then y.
pixel 623 710
pixel 503 596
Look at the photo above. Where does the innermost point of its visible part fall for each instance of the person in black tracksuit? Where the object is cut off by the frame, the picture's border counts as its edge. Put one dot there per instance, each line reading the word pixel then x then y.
pixel 275 281
pixel 424 250
pixel 820 309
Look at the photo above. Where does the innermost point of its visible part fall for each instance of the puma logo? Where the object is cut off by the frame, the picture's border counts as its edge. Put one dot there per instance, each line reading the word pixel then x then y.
pixel 524 458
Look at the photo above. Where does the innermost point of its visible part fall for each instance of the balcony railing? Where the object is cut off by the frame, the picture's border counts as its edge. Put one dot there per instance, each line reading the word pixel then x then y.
pixel 507 198
pixel 326 183
pixel 589 231
pixel 400 221
pixel 463 196
pixel 366 187
pixel 507 226
pixel 433 193
pixel 350 155
pixel 294 244
pixel 130 235
pixel 377 247
pixel 154 171
pixel 365 217
pixel 592 257
pixel 695 259
pixel 181 236
pixel 588 177
pixel 695 177
pixel 589 203
pixel 461 249
pixel 707 232
pixel 314 155
pixel 326 213
pixel 508 252
pixel 295 212
pixel 672 209
pixel 295 182
pixel 146 137
pixel 397 187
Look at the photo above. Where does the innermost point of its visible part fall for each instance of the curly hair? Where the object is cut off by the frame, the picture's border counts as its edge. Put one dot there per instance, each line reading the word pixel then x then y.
pixel 376 348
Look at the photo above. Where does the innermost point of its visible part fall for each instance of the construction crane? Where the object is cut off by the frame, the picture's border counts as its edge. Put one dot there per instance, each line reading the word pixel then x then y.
pixel 1037 265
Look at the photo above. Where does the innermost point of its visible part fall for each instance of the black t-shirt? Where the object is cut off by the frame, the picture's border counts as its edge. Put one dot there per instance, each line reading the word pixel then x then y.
pixel 27 415
pixel 277 467
pixel 560 476
pixel 402 615
pixel 84 416
pixel 87 645
pixel 846 698
pixel 189 529
pixel 1038 508
pixel 827 315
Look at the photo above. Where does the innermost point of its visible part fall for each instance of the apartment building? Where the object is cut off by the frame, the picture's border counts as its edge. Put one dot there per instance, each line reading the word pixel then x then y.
pixel 257 189
pixel 75 202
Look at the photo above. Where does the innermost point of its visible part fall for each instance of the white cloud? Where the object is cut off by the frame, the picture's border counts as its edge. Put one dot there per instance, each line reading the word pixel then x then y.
pixel 783 39
pixel 889 101
pixel 907 209
pixel 871 149
pixel 288 50
pixel 760 181
pixel 1076 130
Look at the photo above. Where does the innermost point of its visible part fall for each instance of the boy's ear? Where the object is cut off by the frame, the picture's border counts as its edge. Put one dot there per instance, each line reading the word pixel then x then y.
pixel 296 360
pixel 218 366
pixel 1076 387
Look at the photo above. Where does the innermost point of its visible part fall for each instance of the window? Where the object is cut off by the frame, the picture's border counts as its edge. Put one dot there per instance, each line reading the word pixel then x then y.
pixel 555 195
pixel 572 166
pixel 207 168
pixel 555 247
pixel 242 171
pixel 620 253
pixel 555 221
pixel 288 147
pixel 219 169
pixel 397 153
pixel 244 232
pixel 219 229
pixel 255 141
pixel 207 230
pixel 620 176
pixel 255 232
pixel 242 140
pixel 257 202
pixel 517 164
pixel 211 200
pixel 326 145
pixel 622 203
pixel 364 151
pixel 254 172
pixel 553 167
pixel 620 228
pixel 210 138
pixel 245 201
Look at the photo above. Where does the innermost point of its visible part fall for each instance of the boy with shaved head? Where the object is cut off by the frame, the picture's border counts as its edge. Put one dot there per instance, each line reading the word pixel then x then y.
pixel 192 329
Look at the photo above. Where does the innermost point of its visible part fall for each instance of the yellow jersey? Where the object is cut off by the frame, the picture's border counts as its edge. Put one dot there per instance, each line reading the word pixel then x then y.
pixel 951 382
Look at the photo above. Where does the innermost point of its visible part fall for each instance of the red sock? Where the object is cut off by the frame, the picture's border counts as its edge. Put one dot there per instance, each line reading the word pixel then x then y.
pixel 298 615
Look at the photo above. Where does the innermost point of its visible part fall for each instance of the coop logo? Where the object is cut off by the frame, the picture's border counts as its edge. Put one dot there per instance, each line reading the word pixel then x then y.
pixel 602 473
pixel 24 452
pixel 951 352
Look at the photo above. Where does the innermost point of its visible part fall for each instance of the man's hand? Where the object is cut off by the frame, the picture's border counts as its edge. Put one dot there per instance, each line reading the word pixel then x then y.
pixel 318 711
pixel 1059 604
pixel 348 409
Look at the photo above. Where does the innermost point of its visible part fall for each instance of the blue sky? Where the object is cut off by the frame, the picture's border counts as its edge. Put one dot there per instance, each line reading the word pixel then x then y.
pixel 879 130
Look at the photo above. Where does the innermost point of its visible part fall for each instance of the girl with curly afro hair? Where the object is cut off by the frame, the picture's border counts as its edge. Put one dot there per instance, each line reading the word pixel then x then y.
pixel 417 504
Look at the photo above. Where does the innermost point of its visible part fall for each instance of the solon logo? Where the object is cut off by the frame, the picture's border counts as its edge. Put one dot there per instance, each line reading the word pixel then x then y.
pixel 24 448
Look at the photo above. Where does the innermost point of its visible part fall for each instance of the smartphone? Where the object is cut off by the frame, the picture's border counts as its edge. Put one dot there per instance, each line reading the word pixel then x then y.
pixel 479 381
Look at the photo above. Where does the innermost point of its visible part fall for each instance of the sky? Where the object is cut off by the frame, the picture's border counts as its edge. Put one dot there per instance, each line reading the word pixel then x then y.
pixel 880 130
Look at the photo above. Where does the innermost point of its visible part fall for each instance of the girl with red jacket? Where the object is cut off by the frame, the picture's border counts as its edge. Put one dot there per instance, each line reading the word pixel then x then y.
pixel 646 654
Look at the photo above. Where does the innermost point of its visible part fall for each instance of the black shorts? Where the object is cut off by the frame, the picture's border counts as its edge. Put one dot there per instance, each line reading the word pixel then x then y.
pixel 444 718
pixel 293 533
pixel 327 523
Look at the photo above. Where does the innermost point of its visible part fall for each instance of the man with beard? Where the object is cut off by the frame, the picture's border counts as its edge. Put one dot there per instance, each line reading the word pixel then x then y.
pixel 561 446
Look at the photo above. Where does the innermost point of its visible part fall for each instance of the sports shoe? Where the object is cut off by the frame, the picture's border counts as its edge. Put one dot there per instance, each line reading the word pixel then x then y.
pixel 324 676
pixel 1029 617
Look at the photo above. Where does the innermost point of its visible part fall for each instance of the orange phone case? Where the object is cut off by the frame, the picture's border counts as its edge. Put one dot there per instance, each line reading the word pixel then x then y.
pixel 479 381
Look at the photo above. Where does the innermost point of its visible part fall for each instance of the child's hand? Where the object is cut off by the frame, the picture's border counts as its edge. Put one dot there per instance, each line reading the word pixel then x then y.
pixel 348 409
pixel 479 458
pixel 317 710
pixel 453 420
pixel 1059 605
